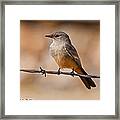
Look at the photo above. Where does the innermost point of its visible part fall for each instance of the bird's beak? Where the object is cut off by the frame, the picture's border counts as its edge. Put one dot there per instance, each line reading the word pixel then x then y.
pixel 50 36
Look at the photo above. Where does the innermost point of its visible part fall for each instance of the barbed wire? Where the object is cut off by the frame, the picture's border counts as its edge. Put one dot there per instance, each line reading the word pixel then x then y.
pixel 45 72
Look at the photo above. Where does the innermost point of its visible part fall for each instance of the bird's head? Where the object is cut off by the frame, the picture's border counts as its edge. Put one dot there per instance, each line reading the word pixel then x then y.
pixel 59 36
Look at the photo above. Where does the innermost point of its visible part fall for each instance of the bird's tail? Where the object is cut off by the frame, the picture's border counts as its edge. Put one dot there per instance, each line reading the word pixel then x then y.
pixel 88 82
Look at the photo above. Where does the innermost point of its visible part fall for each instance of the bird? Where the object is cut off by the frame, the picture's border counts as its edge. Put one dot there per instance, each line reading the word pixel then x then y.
pixel 66 56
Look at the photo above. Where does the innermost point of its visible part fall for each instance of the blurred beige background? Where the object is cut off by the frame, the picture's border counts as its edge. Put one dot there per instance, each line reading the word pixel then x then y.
pixel 34 52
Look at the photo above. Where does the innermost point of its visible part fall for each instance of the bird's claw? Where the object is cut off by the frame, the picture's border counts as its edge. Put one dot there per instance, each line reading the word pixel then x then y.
pixel 72 73
pixel 59 71
pixel 43 71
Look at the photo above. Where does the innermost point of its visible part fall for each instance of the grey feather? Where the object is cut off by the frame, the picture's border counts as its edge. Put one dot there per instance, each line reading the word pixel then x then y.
pixel 73 53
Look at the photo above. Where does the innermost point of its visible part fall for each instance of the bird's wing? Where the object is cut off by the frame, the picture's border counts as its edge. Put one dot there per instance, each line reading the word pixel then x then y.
pixel 73 53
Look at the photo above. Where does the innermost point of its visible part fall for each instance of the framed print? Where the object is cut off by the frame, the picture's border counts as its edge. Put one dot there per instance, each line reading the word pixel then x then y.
pixel 60 59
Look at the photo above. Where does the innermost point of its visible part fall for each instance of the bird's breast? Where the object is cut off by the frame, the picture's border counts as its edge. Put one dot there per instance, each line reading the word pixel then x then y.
pixel 61 56
pixel 57 51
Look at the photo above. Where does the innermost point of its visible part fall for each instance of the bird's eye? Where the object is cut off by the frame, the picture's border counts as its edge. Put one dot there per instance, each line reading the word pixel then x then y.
pixel 57 35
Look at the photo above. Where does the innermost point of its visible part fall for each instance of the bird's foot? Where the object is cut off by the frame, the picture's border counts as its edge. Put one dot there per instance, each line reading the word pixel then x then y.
pixel 72 73
pixel 59 71
pixel 43 71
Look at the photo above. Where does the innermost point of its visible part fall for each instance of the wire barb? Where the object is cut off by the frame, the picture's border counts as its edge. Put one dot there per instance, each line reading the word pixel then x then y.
pixel 43 71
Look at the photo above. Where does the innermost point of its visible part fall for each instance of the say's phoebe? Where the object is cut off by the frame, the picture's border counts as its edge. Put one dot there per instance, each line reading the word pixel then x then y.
pixel 66 56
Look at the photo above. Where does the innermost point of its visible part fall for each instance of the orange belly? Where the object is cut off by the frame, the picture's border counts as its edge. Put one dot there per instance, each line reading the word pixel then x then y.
pixel 65 61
